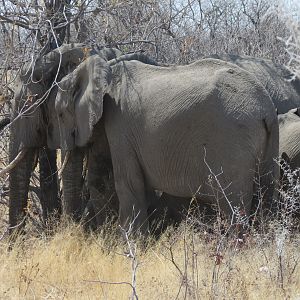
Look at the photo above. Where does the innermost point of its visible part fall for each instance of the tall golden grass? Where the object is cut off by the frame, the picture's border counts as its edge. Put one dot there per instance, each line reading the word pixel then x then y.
pixel 181 264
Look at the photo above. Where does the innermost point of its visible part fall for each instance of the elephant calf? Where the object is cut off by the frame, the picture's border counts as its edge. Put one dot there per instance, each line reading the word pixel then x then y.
pixel 289 137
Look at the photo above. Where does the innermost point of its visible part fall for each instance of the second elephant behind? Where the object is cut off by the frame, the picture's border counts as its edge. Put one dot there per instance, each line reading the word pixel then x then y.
pixel 289 137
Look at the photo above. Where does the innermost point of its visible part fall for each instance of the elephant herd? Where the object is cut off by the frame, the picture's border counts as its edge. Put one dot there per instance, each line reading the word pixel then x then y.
pixel 203 130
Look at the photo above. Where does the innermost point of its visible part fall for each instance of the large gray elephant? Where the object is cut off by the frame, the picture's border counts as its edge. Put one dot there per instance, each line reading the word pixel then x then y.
pixel 103 201
pixel 32 122
pixel 189 130
pixel 277 79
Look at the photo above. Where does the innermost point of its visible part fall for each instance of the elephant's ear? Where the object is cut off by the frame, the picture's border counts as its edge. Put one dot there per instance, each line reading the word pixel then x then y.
pixel 79 103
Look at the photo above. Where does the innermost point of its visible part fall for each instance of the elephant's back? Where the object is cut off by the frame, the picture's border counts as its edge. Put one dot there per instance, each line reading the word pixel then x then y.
pixel 209 89
pixel 216 114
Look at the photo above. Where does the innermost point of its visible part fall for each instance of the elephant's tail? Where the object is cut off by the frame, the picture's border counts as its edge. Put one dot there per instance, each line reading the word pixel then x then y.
pixel 267 168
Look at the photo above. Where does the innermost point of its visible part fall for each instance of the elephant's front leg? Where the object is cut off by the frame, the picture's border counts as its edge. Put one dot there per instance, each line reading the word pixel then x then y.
pixel 19 179
pixel 130 187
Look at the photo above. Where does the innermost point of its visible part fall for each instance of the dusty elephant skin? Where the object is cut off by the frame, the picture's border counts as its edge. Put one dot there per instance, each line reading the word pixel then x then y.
pixel 283 88
pixel 284 92
pixel 169 128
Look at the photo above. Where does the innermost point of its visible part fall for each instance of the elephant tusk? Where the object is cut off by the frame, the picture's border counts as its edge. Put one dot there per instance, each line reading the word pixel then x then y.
pixel 13 163
pixel 66 159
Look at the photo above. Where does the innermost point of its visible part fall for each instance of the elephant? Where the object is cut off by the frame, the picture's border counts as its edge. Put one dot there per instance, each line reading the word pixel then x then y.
pixel 282 86
pixel 31 131
pixel 32 122
pixel 196 130
pixel 103 201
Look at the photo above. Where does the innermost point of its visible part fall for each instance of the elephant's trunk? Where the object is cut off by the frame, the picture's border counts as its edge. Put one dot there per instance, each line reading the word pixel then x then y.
pixel 72 183
pixel 18 187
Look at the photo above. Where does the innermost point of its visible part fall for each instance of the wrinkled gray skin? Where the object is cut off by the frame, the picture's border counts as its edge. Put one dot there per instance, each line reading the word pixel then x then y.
pixel 284 92
pixel 289 137
pixel 163 124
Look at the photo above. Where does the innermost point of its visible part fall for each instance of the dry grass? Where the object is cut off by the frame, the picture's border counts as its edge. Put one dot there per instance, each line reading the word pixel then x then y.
pixel 181 264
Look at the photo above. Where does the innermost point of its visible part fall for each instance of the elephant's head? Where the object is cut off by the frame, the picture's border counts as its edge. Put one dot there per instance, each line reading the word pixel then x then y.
pixel 107 53
pixel 79 107
pixel 33 120
pixel 79 103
